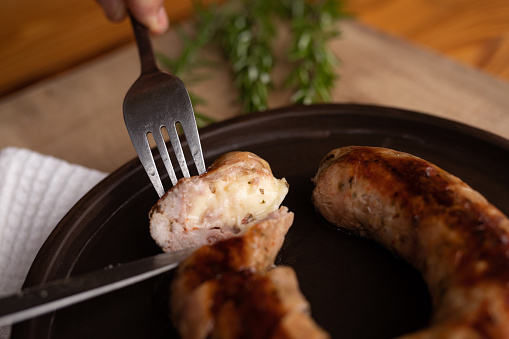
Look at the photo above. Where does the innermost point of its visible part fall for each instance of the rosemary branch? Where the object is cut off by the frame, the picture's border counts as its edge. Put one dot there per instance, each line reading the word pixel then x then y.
pixel 313 26
pixel 246 30
pixel 247 43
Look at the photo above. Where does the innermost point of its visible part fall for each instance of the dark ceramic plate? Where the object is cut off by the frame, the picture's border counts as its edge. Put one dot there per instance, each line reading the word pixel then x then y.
pixel 356 288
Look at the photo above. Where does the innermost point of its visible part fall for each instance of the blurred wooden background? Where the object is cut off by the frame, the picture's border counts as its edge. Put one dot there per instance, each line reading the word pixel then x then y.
pixel 39 39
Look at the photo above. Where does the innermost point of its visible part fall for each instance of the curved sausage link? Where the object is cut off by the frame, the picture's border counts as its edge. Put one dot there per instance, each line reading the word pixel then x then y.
pixel 432 219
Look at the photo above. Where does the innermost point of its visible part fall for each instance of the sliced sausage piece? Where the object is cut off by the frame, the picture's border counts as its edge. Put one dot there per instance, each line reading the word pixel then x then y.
pixel 230 289
pixel 237 190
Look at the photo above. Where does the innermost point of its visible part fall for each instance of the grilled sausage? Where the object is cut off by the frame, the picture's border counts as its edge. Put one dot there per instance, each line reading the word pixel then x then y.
pixel 435 221
pixel 230 290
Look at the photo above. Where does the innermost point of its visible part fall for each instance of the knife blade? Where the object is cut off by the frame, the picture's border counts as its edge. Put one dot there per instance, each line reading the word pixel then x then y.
pixel 38 300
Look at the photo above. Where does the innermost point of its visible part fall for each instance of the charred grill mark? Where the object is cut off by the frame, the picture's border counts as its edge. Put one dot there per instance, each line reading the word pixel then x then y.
pixel 209 261
pixel 409 174
pixel 421 189
pixel 412 183
pixel 254 299
pixel 487 249
pixel 328 157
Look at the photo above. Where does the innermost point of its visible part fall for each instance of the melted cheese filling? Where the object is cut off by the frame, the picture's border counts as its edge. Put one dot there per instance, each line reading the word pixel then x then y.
pixel 236 203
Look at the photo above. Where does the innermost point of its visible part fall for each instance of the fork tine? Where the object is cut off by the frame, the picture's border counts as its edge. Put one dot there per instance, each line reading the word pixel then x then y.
pixel 193 140
pixel 152 91
pixel 177 148
pixel 142 148
pixel 163 151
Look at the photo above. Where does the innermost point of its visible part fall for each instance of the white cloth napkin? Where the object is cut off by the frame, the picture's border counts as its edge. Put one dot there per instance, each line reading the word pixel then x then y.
pixel 36 191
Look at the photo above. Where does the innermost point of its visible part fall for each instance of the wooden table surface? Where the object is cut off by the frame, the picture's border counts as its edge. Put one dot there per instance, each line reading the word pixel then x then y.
pixel 41 38
pixel 65 69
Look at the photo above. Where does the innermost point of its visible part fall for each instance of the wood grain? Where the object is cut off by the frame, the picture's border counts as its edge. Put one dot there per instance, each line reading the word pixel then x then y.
pixel 78 116
pixel 473 32
pixel 39 39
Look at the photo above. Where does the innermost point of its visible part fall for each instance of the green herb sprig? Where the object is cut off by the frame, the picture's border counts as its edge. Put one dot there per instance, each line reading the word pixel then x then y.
pixel 313 25
pixel 247 43
pixel 246 30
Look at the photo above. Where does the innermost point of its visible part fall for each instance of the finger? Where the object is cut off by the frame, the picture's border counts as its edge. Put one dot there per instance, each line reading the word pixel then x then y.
pixel 115 10
pixel 151 13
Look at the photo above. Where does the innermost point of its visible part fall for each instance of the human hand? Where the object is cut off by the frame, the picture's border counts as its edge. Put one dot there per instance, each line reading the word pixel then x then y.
pixel 151 13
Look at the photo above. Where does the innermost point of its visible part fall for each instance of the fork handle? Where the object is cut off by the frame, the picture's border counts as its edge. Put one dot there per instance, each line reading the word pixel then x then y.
pixel 147 59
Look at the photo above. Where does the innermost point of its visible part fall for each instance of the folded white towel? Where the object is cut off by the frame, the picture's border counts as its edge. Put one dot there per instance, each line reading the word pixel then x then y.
pixel 35 193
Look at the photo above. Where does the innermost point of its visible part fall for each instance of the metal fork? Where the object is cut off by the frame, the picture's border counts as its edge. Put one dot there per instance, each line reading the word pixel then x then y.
pixel 158 99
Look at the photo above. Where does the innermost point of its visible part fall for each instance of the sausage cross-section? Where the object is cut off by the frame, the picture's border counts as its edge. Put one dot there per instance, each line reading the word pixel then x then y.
pixel 237 190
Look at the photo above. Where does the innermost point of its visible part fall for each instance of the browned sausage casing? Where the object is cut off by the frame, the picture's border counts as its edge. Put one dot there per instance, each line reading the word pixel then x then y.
pixel 432 219
pixel 230 290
